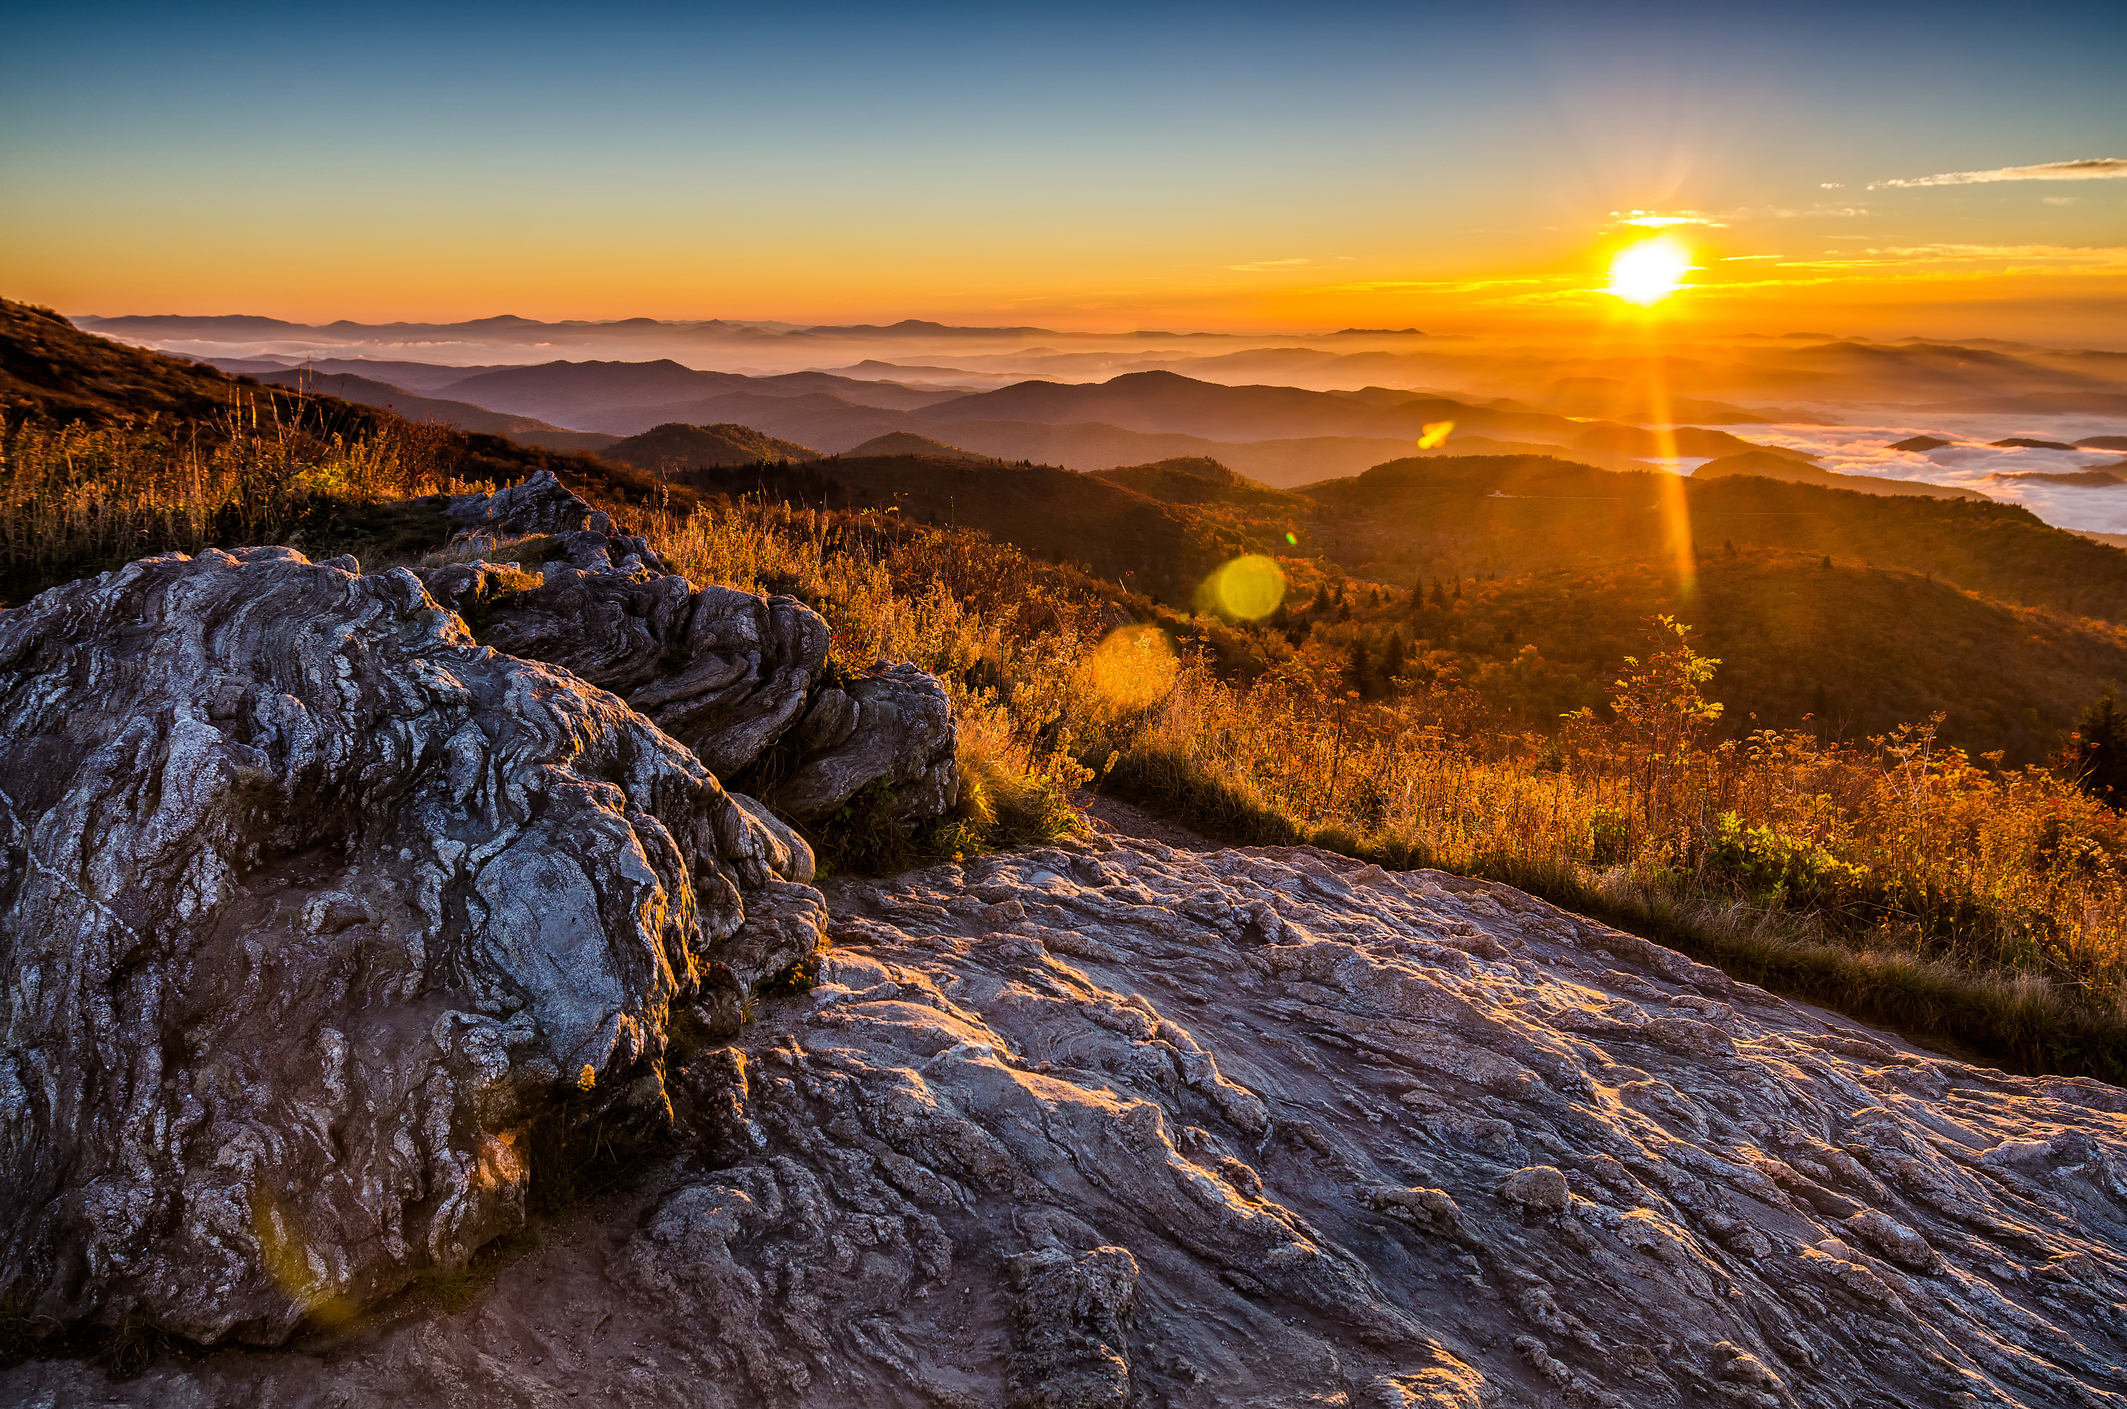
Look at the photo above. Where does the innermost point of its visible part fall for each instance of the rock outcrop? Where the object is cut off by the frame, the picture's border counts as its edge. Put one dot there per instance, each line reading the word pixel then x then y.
pixel 727 673
pixel 310 908
pixel 892 727
pixel 1120 1124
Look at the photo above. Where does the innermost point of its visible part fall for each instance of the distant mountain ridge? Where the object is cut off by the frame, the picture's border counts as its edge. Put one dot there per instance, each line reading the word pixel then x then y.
pixel 459 415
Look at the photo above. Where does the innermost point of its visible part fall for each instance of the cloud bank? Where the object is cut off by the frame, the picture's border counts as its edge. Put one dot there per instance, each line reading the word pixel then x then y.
pixel 2088 169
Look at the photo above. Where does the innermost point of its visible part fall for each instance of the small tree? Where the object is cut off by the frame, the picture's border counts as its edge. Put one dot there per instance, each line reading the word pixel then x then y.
pixel 1392 659
pixel 2097 751
pixel 1662 716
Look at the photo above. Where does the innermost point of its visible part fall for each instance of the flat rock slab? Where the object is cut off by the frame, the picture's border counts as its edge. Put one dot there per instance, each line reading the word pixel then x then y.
pixel 1120 1124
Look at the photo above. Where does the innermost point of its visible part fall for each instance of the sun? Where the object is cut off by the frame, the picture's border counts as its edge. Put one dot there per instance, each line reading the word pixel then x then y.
pixel 1650 271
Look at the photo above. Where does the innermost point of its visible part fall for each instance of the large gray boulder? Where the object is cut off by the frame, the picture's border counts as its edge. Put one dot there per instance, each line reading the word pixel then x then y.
pixel 310 908
pixel 727 673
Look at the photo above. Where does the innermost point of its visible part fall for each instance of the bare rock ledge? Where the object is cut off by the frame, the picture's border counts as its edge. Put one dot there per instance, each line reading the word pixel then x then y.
pixel 1116 1124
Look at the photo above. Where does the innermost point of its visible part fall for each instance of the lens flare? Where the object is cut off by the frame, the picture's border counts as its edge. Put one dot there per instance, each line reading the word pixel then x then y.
pixel 1247 588
pixel 1132 668
pixel 1436 434
pixel 1650 271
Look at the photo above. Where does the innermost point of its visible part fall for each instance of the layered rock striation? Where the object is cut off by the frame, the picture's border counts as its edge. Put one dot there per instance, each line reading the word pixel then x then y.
pixel 310 906
pixel 1120 1124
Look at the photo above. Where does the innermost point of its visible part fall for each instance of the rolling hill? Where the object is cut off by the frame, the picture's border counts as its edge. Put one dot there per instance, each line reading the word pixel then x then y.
pixel 1141 544
pixel 909 443
pixel 1512 514
pixel 1198 480
pixel 1169 402
pixel 674 451
pixel 1847 651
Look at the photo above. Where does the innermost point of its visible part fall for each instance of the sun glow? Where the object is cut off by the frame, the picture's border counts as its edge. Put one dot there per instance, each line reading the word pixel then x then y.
pixel 1649 271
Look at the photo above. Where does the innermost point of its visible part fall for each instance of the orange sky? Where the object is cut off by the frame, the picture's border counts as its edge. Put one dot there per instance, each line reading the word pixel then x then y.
pixel 1371 166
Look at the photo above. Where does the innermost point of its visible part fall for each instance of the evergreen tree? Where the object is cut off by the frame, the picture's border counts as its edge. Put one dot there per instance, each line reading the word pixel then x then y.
pixel 2098 751
pixel 1392 660
pixel 1440 596
pixel 1359 672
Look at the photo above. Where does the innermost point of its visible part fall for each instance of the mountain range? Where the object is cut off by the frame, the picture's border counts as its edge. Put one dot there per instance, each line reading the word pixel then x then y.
pixel 1799 377
pixel 1281 435
pixel 1989 614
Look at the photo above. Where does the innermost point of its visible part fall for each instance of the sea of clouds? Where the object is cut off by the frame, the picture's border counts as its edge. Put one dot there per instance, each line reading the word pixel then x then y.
pixel 1865 450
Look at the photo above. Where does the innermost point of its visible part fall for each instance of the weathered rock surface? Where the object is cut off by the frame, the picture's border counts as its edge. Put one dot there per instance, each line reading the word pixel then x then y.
pixel 893 726
pixel 310 906
pixel 725 672
pixel 1119 1124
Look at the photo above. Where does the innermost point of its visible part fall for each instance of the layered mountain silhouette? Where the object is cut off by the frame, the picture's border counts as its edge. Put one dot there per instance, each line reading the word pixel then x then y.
pixel 459 415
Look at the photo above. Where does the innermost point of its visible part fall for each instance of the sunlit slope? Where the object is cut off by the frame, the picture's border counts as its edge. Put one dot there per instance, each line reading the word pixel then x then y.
pixel 1861 649
pixel 1137 543
pixel 54 372
pixel 909 443
pixel 1767 465
pixel 1484 514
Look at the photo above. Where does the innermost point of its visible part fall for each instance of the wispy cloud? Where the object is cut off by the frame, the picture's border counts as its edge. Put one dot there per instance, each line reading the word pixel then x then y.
pixel 1265 266
pixel 2079 253
pixel 1439 286
pixel 2087 169
pixel 1659 220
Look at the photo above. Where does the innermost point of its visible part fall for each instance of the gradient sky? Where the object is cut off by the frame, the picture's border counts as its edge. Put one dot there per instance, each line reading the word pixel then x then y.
pixel 1458 168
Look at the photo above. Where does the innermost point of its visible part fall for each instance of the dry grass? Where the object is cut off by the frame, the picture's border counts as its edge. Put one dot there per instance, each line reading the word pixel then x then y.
pixel 77 498
pixel 1895 879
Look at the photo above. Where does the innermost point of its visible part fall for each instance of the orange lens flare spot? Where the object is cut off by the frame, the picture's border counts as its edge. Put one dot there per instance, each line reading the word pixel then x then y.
pixel 1132 668
pixel 1436 434
pixel 1247 588
pixel 1649 271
